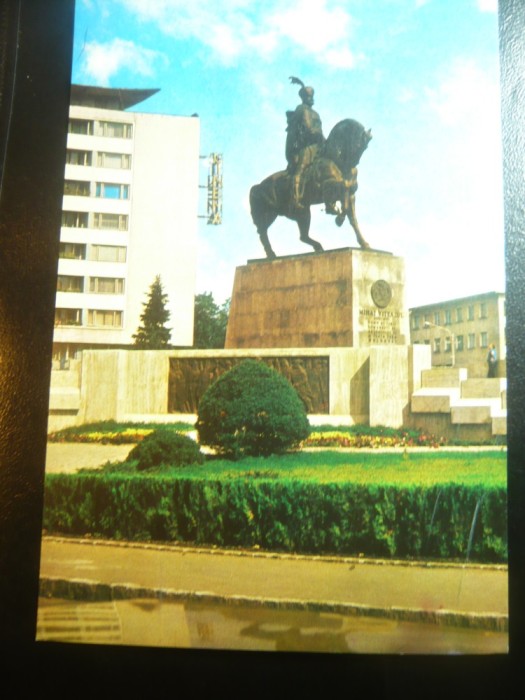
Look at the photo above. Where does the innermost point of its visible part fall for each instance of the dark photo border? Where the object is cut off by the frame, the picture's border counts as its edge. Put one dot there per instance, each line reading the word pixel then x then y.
pixel 35 63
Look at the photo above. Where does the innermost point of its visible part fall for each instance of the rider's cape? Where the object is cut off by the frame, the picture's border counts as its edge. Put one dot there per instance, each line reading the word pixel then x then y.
pixel 304 129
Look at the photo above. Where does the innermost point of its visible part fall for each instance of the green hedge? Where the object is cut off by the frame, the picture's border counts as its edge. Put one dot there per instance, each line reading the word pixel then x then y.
pixel 283 515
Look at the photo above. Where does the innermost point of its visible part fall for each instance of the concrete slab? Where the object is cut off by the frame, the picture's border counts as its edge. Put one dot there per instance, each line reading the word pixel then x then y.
pixel 443 377
pixel 433 400
pixel 483 388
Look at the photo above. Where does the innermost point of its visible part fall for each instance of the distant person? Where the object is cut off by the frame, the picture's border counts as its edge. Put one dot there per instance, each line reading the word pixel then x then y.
pixel 492 361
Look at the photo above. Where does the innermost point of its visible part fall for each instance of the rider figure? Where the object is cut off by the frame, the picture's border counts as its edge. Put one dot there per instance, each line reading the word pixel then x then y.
pixel 305 135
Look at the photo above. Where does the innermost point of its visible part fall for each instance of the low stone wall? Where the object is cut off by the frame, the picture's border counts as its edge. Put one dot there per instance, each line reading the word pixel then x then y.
pixel 364 385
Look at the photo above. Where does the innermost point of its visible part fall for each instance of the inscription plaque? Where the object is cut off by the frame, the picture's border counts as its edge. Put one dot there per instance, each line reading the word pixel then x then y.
pixel 382 327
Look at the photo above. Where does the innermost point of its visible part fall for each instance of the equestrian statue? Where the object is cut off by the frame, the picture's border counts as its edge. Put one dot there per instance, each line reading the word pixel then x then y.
pixel 319 171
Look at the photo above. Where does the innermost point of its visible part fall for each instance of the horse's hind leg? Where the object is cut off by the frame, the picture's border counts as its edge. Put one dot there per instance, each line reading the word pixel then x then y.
pixel 263 235
pixel 303 222
pixel 263 217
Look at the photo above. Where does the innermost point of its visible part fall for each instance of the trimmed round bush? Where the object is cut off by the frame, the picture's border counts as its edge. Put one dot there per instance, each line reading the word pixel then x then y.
pixel 251 410
pixel 168 448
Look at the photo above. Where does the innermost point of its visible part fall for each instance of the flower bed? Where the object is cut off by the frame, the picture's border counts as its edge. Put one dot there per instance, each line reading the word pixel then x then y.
pixel 128 436
pixel 337 438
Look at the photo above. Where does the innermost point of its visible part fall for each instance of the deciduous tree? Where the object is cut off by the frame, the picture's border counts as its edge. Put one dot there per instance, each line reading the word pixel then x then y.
pixel 210 321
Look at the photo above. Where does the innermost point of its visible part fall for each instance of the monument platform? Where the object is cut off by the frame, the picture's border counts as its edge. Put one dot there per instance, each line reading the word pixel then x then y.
pixel 348 297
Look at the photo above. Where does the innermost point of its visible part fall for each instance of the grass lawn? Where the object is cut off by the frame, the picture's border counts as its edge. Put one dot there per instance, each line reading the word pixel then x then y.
pixel 487 468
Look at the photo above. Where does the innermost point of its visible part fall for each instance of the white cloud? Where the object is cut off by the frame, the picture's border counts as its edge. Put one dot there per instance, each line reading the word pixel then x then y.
pixel 310 25
pixel 233 27
pixel 341 58
pixel 468 219
pixel 102 61
pixel 468 95
pixel 487 5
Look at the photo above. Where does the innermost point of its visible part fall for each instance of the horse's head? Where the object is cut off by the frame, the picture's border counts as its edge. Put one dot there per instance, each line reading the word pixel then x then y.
pixel 347 142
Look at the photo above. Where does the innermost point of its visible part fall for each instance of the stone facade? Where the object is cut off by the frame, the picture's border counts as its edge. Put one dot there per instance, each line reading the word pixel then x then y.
pixel 341 298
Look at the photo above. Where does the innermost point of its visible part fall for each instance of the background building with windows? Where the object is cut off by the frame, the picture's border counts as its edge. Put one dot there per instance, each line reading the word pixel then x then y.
pixel 461 330
pixel 130 212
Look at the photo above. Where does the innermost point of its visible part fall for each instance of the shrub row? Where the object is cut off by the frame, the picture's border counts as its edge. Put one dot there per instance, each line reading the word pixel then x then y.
pixel 285 515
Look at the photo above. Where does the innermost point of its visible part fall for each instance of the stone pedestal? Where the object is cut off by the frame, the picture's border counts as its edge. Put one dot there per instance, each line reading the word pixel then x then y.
pixel 342 298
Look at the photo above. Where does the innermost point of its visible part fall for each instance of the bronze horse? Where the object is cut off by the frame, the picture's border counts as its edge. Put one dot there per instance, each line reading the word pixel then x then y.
pixel 330 179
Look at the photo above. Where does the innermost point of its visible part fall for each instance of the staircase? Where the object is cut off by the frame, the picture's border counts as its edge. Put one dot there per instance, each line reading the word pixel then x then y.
pixel 451 405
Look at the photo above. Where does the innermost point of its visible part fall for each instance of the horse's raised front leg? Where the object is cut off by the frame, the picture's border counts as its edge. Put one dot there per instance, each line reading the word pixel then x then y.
pixel 350 212
pixel 303 221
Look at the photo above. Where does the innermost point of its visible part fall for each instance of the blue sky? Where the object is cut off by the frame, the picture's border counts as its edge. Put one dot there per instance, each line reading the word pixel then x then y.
pixel 422 74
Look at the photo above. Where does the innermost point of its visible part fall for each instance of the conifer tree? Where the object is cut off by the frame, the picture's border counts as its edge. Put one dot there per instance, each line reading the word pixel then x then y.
pixel 152 334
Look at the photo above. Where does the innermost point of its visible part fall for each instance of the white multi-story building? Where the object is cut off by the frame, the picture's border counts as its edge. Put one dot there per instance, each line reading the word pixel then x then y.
pixel 130 213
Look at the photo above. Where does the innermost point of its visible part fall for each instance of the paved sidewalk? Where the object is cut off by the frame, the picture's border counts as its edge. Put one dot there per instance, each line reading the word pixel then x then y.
pixel 469 596
pixel 72 456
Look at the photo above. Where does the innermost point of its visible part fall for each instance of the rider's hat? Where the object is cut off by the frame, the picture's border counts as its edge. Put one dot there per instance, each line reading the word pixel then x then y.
pixel 305 90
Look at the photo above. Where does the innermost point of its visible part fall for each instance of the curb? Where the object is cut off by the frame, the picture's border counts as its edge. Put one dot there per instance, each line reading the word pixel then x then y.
pixel 263 554
pixel 89 591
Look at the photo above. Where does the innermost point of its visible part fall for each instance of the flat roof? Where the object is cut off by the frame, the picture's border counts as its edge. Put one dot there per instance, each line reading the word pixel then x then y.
pixel 474 297
pixel 108 98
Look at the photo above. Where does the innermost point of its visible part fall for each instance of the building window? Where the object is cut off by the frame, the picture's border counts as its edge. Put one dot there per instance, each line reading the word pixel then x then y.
pixel 483 340
pixel 108 319
pixel 459 343
pixel 118 161
pixel 483 311
pixel 470 313
pixel 437 344
pixel 471 341
pixel 78 188
pixel 415 322
pixel 110 190
pixel 75 219
pixel 108 253
pixel 72 251
pixel 437 318
pixel 448 317
pixel 459 314
pixel 70 283
pixel 68 317
pixel 106 285
pixel 75 157
pixel 448 343
pixel 116 130
pixel 113 222
pixel 80 126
